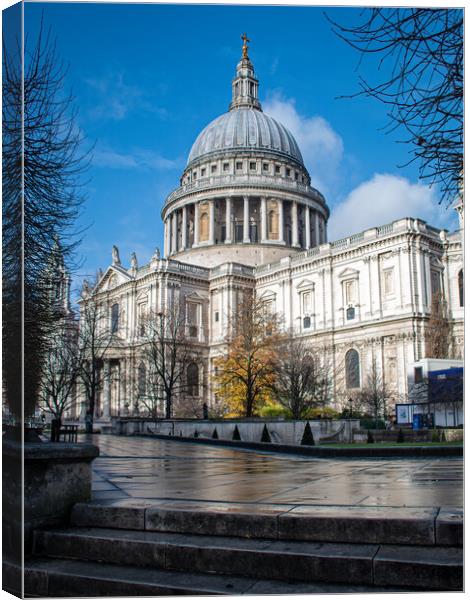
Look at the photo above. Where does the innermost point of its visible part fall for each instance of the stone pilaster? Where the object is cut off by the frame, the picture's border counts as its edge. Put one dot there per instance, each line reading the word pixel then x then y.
pixel 307 227
pixel 196 225
pixel 295 225
pixel 263 221
pixel 184 227
pixel 228 220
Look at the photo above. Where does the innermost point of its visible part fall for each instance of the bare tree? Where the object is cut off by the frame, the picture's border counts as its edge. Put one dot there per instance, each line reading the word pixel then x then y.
pixel 166 356
pixel 438 331
pixel 303 378
pixel 374 397
pixel 421 54
pixel 94 338
pixel 60 371
pixel 245 374
pixel 42 169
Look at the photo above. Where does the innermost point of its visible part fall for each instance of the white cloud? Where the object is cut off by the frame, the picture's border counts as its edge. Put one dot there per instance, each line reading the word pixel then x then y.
pixel 136 159
pixel 321 146
pixel 382 199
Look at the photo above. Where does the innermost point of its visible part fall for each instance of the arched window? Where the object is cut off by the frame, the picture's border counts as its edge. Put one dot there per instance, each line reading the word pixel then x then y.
pixel 192 379
pixel 114 318
pixel 353 376
pixel 141 379
pixel 460 278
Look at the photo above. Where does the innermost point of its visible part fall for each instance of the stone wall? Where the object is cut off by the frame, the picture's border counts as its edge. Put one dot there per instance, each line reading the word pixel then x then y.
pixel 280 432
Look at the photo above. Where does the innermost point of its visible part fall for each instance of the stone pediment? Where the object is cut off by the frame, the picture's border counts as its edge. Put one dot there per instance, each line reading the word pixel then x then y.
pixel 114 276
pixel 267 294
pixel 349 274
pixel 195 296
pixel 437 263
pixel 305 284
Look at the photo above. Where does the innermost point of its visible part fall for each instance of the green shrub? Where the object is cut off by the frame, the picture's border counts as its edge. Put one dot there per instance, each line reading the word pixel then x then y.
pixel 400 436
pixel 215 435
pixel 370 437
pixel 265 437
pixel 322 412
pixel 307 438
pixel 274 411
pixel 196 434
pixel 236 434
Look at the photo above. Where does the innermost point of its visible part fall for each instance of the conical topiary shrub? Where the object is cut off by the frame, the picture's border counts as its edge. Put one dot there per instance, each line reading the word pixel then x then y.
pixel 307 438
pixel 370 437
pixel 400 436
pixel 265 437
pixel 196 434
pixel 236 434
pixel 215 435
pixel 443 436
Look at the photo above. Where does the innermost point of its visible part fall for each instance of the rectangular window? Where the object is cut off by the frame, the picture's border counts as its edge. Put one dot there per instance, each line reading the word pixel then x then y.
pixel 226 165
pixel 213 168
pixel 239 166
pixel 419 375
pixel 287 172
pixel 296 176
pixel 252 166
pixel 277 168
pixel 265 167
pixel 203 172
pixel 307 303
pixel 216 316
pixel 192 312
pixel 350 292
pixel 114 318
pixel 194 175
pixel 435 282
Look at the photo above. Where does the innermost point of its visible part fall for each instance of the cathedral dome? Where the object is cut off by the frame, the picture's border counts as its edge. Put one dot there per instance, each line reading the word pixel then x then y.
pixel 242 129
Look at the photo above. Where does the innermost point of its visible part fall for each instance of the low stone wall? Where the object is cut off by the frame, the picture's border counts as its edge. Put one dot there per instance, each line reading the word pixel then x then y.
pixel 280 432
pixel 56 476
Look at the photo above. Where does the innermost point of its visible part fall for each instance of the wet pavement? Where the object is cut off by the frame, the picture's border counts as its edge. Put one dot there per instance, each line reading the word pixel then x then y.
pixel 151 469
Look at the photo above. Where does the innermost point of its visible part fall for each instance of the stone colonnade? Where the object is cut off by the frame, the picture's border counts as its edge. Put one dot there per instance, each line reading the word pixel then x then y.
pixel 243 219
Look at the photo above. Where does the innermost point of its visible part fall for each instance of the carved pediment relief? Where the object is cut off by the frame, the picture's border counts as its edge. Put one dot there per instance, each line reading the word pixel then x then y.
pixel 113 277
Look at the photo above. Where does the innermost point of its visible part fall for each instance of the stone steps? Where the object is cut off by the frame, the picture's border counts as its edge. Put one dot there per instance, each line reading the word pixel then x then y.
pixel 423 567
pixel 342 524
pixel 74 578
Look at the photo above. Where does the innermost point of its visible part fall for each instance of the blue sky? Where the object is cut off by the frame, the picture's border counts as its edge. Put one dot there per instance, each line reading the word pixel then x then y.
pixel 147 78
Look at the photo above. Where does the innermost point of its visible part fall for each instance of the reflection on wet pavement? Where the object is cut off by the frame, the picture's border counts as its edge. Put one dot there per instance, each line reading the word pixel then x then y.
pixel 146 468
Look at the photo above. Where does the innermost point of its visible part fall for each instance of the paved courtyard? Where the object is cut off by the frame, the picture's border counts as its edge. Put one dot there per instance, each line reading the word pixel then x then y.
pixel 140 468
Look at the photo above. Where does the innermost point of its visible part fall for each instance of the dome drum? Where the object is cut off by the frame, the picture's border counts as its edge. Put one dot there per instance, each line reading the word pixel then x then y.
pixel 245 194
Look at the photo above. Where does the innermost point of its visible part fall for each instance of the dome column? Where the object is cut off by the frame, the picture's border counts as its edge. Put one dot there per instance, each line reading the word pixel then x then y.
pixel 281 221
pixel 167 238
pixel 228 220
pixel 184 226
pixel 246 220
pixel 196 225
pixel 307 227
pixel 295 224
pixel 211 222
pixel 317 229
pixel 263 221
pixel 174 232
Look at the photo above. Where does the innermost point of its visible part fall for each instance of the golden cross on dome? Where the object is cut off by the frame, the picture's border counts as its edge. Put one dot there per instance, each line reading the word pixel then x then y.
pixel 245 39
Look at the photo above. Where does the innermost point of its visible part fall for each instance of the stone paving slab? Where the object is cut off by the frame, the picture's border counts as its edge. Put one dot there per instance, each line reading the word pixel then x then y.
pixel 152 469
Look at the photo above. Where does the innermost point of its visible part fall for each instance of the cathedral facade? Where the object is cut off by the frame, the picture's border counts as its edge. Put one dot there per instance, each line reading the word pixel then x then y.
pixel 245 217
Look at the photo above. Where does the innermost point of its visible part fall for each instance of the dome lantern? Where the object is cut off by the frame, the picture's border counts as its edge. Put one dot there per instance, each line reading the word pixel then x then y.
pixel 245 85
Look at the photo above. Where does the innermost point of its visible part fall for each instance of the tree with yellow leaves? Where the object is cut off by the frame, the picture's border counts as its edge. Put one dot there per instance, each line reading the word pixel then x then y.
pixel 245 374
